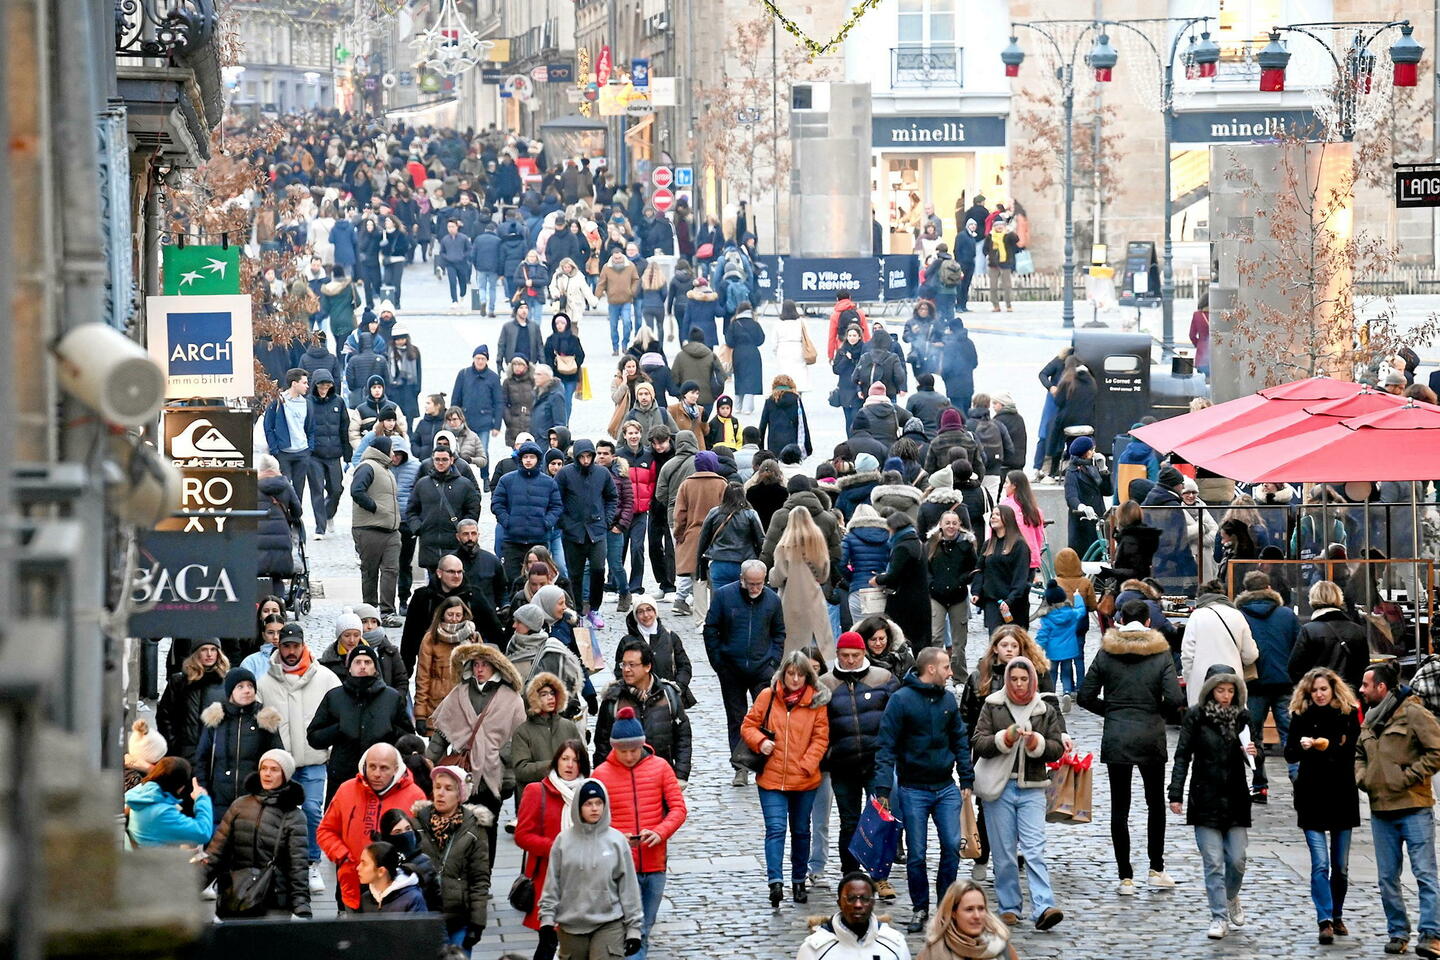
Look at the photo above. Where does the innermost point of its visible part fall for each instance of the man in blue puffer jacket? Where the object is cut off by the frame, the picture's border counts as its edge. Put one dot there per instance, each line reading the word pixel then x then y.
pixel 512 250
pixel 1275 629
pixel 332 447
pixel 527 506
pixel 864 552
pixel 744 639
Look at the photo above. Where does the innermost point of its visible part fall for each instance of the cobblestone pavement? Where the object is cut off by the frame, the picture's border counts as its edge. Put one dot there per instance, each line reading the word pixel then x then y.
pixel 715 903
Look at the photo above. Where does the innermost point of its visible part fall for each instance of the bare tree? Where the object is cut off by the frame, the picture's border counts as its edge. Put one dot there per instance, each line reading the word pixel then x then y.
pixel 1311 262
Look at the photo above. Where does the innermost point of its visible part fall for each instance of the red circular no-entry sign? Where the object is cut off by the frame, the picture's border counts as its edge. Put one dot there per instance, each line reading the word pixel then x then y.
pixel 662 199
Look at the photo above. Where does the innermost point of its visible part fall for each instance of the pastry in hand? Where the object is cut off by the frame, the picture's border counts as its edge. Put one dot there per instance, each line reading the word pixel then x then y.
pixel 1320 743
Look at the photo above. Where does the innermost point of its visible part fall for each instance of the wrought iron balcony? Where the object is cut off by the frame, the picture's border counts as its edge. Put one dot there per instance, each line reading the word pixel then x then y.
pixel 163 28
pixel 917 66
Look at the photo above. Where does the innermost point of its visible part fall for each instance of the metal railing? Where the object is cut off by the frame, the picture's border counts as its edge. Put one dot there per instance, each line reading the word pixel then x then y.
pixel 163 28
pixel 926 66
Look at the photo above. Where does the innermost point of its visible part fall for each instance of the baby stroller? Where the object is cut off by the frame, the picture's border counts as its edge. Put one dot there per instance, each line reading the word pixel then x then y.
pixel 297 597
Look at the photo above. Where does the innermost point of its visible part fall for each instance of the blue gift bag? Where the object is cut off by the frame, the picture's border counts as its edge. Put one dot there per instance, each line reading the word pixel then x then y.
pixel 876 840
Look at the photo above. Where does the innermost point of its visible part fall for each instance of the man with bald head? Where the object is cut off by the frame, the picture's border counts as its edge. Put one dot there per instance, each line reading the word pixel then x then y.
pixel 382 783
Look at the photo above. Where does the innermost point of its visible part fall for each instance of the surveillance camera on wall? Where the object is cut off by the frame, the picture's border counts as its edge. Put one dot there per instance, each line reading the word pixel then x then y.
pixel 111 374
pixel 148 489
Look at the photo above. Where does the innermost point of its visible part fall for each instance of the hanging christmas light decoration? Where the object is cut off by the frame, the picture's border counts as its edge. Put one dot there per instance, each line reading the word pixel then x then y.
pixel 450 47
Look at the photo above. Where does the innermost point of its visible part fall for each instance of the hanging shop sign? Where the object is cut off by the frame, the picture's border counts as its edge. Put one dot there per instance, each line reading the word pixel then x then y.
pixel 200 586
pixel 199 269
pixel 208 437
pixel 603 65
pixel 214 493
pixel 1417 188
pixel 640 71
pixel 561 72
pixel 921 133
pixel 205 345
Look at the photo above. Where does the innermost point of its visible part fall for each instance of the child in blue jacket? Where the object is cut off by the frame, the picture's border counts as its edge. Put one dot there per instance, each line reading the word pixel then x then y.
pixel 1059 636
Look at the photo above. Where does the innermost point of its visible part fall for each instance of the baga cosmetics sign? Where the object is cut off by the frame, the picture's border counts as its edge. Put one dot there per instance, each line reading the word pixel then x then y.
pixel 907 133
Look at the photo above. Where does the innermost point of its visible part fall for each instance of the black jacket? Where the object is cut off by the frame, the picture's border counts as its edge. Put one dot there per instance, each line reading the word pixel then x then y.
pixel 938 456
pixel 352 718
pixel 952 568
pixel 1325 794
pixel 672 662
pixel 424 600
pixel 1132 684
pixel 857 705
pixel 880 365
pixel 922 740
pixel 260 826
pixel 1331 639
pixel 390 666
pixel 1220 779
pixel 907 578
pixel 282 508
pixel 231 742
pixel 437 503
pixel 332 421
pixel 661 712
pixel 177 715
pixel 591 499
pixel 1004 576
pixel 464 863
pixel 1135 551
pixel 422 438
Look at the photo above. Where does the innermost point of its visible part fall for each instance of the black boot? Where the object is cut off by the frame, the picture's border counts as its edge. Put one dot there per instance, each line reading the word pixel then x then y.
pixel 798 894
pixel 777 893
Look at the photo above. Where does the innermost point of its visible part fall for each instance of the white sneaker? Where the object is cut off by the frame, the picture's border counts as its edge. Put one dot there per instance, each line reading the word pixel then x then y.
pixel 1237 913
pixel 1161 879
pixel 209 892
pixel 1127 888
pixel 1066 702
pixel 319 534
pixel 317 882
pixel 977 872
pixel 1219 930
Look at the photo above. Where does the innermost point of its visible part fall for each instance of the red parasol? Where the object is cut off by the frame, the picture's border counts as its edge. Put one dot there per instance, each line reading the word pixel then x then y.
pixel 1216 451
pixel 1171 436
pixel 1399 443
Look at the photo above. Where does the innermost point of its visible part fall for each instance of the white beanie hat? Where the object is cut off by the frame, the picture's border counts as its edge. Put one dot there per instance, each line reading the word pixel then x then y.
pixel 349 620
pixel 145 742
pixel 283 758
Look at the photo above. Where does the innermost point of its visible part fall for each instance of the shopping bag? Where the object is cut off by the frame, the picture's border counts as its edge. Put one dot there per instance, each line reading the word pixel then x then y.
pixel 1024 263
pixel 1068 798
pixel 589 646
pixel 969 830
pixel 584 383
pixel 872 600
pixel 876 839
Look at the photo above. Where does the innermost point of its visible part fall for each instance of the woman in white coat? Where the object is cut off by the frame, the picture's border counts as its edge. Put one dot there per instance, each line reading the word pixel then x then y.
pixel 1215 633
pixel 318 235
pixel 789 346
pixel 569 286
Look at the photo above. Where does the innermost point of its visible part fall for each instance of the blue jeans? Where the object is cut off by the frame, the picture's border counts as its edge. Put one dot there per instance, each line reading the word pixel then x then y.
pixel 652 891
pixel 917 805
pixel 312 780
pixel 1329 872
pixel 833 610
pixel 782 808
pixel 635 540
pixel 945 304
pixel 1222 852
pixel 1016 823
pixel 615 560
pixel 557 550
pixel 535 304
pixel 488 283
pixel 618 310
pixel 1066 671
pixel 723 573
pixel 457 938
pixel 1417 831
pixel 568 387
pixel 1261 700
pixel 820 824
pixel 1047 419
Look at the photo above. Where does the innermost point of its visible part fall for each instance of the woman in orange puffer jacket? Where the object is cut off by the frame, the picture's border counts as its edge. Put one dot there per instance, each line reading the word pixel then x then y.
pixel 789 725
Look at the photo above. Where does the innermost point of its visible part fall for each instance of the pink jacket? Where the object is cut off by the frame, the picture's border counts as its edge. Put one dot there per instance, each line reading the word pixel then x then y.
pixel 1034 536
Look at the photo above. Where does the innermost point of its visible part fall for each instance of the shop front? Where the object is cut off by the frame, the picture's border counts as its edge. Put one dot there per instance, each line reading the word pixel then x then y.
pixel 1192 136
pixel 940 160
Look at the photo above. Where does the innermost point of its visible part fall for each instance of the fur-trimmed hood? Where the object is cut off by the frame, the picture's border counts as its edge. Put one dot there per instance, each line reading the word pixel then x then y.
pixel 1137 643
pixel 899 491
pixel 704 294
pixel 1140 587
pixel 267 717
pixel 1259 596
pixel 466 653
pixel 946 495
pixel 423 808
pixel 858 478
pixel 865 516
pixel 532 692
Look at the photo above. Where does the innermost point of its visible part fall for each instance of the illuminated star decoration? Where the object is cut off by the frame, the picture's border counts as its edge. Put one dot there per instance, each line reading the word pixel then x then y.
pixel 816 48
pixel 190 277
pixel 215 266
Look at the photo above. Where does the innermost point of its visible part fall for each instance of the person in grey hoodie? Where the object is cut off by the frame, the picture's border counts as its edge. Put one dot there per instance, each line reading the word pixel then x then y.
pixel 591 899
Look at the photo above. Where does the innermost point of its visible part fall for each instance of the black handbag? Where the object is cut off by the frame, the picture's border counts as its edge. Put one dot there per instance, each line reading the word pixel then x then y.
pixel 522 891
pixel 835 399
pixel 246 892
pixel 743 756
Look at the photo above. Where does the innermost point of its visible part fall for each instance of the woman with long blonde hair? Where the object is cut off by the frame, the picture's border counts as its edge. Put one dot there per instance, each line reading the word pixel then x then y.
pixel 801 566
pixel 1324 727
pixel 965 928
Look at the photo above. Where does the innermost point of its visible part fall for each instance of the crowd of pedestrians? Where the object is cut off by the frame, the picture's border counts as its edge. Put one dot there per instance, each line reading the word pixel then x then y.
pixel 835 597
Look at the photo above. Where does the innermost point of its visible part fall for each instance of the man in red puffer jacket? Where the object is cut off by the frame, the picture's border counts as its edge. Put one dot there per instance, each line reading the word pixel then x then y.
pixel 643 476
pixel 383 783
pixel 646 804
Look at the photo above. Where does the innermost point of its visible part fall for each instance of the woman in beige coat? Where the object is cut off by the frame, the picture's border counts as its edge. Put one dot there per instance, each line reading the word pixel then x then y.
pixel 699 493
pixel 802 565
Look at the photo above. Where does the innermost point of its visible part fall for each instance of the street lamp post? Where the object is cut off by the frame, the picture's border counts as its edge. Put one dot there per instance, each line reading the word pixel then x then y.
pixel 1103 58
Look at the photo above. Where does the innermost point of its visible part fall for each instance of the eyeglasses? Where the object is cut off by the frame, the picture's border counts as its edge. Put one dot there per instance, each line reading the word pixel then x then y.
pixel 862 898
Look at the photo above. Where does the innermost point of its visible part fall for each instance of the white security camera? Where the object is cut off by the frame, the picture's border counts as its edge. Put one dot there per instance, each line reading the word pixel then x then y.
pixel 111 374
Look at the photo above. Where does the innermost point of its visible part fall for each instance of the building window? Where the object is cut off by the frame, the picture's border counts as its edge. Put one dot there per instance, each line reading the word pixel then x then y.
pixel 927 23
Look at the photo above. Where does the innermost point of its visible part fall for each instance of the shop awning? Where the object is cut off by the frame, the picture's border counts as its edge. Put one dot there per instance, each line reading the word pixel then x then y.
pixel 574 122
pixel 1174 434
pixel 1398 444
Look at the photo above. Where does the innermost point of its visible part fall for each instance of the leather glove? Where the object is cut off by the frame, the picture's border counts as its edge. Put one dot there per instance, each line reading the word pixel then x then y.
pixel 632 946
pixel 422 726
pixel 472 936
pixel 593 703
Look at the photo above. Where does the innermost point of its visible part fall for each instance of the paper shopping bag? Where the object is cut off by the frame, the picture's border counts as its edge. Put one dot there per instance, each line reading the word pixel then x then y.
pixel 876 839
pixel 1084 783
pixel 1060 795
pixel 969 831
pixel 584 384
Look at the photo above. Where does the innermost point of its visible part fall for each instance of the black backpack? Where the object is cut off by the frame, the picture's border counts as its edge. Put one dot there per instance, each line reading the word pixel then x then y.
pixel 987 433
pixel 847 316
